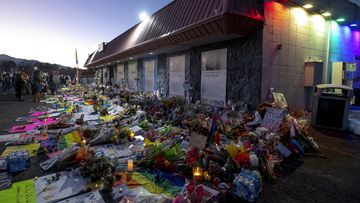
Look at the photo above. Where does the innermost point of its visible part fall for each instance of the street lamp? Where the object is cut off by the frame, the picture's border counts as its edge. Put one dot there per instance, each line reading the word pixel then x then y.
pixel 143 16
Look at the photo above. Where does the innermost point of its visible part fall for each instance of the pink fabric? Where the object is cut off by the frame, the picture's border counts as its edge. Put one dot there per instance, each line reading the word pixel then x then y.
pixel 37 113
pixel 22 128
pixel 34 120
pixel 47 121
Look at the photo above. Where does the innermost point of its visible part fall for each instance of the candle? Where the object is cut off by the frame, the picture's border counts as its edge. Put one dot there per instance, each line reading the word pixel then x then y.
pixel 83 142
pixel 207 176
pixel 197 175
pixel 130 165
pixel 132 135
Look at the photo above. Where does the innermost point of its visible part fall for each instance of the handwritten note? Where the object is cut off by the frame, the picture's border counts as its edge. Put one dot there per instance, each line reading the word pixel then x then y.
pixel 31 148
pixel 197 141
pixel 280 100
pixel 68 139
pixel 23 192
pixel 273 118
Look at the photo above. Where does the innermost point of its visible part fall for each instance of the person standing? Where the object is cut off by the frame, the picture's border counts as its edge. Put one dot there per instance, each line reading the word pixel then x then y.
pixel 19 84
pixel 55 81
pixel 27 84
pixel 7 81
pixel 2 81
pixel 37 80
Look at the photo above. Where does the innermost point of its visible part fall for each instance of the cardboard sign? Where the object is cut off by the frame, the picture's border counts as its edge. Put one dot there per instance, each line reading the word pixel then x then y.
pixel 273 118
pixel 283 150
pixel 19 192
pixel 197 140
pixel 279 99
pixel 31 148
pixel 68 184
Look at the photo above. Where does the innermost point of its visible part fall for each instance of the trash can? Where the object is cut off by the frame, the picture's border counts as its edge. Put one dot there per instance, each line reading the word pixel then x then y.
pixel 331 106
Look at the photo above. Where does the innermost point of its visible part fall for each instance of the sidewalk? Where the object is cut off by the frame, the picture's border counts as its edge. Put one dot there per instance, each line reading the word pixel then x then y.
pixel 332 177
pixel 10 109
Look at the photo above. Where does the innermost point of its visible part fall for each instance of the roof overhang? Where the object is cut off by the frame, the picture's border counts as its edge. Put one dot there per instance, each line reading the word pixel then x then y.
pixel 236 19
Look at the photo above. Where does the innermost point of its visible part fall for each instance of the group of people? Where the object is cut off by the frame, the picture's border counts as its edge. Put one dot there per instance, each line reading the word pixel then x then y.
pixel 39 82
pixel 6 81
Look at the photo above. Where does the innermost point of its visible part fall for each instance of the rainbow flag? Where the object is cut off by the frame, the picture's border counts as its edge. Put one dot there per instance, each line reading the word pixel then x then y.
pixel 76 57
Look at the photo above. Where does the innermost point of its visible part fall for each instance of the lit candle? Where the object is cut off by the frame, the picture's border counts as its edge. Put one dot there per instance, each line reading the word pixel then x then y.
pixel 83 142
pixel 197 175
pixel 207 176
pixel 130 165
pixel 132 135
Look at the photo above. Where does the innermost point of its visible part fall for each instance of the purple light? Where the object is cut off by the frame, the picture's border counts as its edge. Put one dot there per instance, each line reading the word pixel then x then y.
pixel 353 25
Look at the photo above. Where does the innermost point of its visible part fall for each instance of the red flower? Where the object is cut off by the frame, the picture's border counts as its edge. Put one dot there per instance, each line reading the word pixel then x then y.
pixel 192 156
pixel 243 159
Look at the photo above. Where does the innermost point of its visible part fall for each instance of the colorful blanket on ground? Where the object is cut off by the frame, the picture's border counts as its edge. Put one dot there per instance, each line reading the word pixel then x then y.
pixel 156 184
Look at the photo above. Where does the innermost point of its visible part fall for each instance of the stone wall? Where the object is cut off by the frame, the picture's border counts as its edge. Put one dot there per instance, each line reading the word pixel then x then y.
pixel 244 61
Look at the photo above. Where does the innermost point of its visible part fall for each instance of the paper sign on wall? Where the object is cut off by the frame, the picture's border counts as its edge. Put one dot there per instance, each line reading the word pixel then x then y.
pixel 132 67
pixel 149 75
pixel 120 73
pixel 213 77
pixel 177 75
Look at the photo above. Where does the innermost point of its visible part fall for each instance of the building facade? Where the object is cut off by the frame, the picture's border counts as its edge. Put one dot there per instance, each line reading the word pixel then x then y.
pixel 221 51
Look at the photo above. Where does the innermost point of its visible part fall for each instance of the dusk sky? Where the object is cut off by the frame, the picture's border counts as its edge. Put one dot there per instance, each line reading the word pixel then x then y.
pixel 50 30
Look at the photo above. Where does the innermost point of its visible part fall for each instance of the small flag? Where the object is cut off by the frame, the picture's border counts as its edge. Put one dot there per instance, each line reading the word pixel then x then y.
pixel 214 128
pixel 76 56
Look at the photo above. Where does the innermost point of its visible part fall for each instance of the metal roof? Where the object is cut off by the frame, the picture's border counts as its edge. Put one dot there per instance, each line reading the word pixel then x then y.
pixel 181 21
